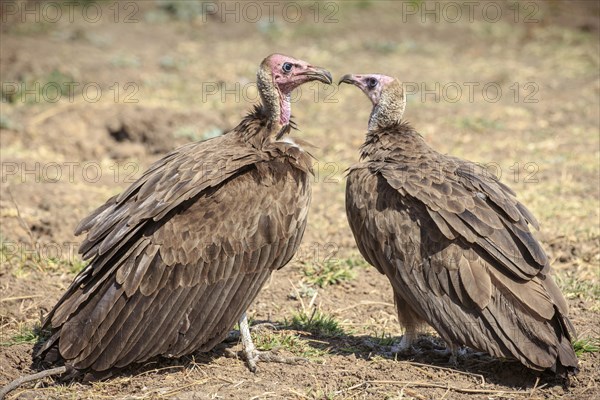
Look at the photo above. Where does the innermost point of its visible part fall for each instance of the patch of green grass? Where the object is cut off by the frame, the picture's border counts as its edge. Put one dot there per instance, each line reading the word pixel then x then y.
pixel 126 61
pixel 266 341
pixel 478 124
pixel 5 122
pixel 170 63
pixel 192 133
pixel 331 272
pixel 270 29
pixel 181 10
pixel 27 28
pixel 317 322
pixel 26 334
pixel 19 256
pixel 383 339
pixel 364 4
pixel 349 350
pixel 383 47
pixel 43 89
pixel 24 258
pixel 303 290
pixel 74 266
pixel 586 345
pixel 574 288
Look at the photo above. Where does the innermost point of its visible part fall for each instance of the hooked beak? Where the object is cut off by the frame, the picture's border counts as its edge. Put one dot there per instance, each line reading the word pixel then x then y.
pixel 350 79
pixel 318 74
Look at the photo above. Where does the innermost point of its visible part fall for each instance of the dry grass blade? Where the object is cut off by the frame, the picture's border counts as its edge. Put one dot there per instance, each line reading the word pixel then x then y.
pixel 298 295
pixel 20 298
pixel 25 228
pixel 63 154
pixel 535 386
pixel 30 378
pixel 180 389
pixel 152 371
pixel 297 393
pixel 264 395
pixel 455 371
pixel 457 389
pixel 365 303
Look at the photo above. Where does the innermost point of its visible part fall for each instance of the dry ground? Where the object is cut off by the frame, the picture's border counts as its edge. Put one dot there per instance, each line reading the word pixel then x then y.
pixel 62 159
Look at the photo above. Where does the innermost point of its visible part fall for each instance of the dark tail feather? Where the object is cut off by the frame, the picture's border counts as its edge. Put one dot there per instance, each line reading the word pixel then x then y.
pixel 566 362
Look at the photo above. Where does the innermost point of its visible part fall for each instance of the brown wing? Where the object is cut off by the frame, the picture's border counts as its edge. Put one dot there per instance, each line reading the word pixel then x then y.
pixel 173 278
pixel 465 201
pixel 447 268
pixel 168 183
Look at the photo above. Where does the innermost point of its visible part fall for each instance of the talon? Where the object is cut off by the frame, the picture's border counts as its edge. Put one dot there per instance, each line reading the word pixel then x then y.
pixel 402 350
pixel 454 351
pixel 230 353
pixel 405 345
pixel 453 360
pixel 265 356
pixel 252 355
pixel 251 360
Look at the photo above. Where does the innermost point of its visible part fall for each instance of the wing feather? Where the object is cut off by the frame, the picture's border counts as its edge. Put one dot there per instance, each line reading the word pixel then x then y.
pixel 463 279
pixel 172 277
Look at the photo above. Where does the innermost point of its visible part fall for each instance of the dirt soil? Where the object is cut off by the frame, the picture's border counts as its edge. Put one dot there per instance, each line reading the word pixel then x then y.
pixel 158 74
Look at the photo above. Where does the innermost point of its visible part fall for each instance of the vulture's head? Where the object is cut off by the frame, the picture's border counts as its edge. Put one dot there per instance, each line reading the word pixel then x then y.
pixel 278 75
pixel 386 94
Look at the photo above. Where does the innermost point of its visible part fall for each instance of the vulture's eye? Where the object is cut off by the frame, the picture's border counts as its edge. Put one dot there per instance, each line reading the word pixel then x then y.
pixel 371 83
pixel 287 67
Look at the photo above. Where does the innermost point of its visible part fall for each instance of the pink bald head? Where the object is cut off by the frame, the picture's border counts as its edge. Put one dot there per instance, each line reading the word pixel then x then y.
pixel 386 94
pixel 278 75
pixel 373 85
pixel 288 73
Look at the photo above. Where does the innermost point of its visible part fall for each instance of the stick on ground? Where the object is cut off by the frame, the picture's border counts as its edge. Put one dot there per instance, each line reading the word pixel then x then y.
pixel 29 378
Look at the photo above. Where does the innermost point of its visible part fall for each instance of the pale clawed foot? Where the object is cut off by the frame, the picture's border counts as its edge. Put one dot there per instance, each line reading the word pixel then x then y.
pixel 453 351
pixel 256 356
pixel 406 343
pixel 253 356
pixel 235 336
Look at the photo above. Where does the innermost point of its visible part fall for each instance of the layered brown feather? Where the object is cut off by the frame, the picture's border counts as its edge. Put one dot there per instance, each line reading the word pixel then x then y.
pixel 457 248
pixel 178 257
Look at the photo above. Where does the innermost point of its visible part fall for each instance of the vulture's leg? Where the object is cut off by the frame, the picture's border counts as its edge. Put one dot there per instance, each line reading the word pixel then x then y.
pixel 452 350
pixel 235 335
pixel 405 345
pixel 252 355
pixel 250 352
pixel 411 322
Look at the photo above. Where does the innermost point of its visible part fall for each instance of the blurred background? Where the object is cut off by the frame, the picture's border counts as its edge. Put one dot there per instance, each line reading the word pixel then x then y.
pixel 95 91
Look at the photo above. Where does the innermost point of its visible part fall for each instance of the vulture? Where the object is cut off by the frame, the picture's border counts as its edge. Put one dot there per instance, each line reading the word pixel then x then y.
pixel 454 242
pixel 178 257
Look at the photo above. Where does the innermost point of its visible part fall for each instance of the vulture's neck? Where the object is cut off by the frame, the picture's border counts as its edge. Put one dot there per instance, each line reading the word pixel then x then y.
pixel 276 105
pixel 388 111
pixel 388 135
pixel 376 119
pixel 395 141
